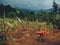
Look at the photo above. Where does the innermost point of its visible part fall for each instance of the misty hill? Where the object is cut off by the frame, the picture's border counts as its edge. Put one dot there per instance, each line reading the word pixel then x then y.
pixel 36 11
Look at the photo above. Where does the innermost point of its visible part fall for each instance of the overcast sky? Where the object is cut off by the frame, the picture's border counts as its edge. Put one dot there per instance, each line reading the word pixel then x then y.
pixel 30 4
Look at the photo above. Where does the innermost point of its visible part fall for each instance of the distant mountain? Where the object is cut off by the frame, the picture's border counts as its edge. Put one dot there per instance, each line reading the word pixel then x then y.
pixel 36 11
pixel 49 10
pixel 29 10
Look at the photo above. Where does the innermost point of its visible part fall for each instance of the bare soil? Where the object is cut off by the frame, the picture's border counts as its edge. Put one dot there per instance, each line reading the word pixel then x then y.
pixel 28 36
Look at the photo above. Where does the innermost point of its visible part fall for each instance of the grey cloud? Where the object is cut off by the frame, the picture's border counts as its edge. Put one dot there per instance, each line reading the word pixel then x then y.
pixel 30 4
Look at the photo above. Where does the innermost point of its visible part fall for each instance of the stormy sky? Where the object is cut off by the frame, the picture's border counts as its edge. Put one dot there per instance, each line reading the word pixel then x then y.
pixel 30 4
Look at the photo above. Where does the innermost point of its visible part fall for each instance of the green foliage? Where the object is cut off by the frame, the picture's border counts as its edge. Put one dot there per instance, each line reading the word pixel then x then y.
pixel 2 30
pixel 2 43
pixel 9 36
pixel 57 17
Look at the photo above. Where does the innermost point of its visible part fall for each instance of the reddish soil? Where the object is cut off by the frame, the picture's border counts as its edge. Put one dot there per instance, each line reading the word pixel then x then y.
pixel 28 36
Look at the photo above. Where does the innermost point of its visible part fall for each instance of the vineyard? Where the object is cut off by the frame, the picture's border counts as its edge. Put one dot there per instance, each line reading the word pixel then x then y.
pixel 25 33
